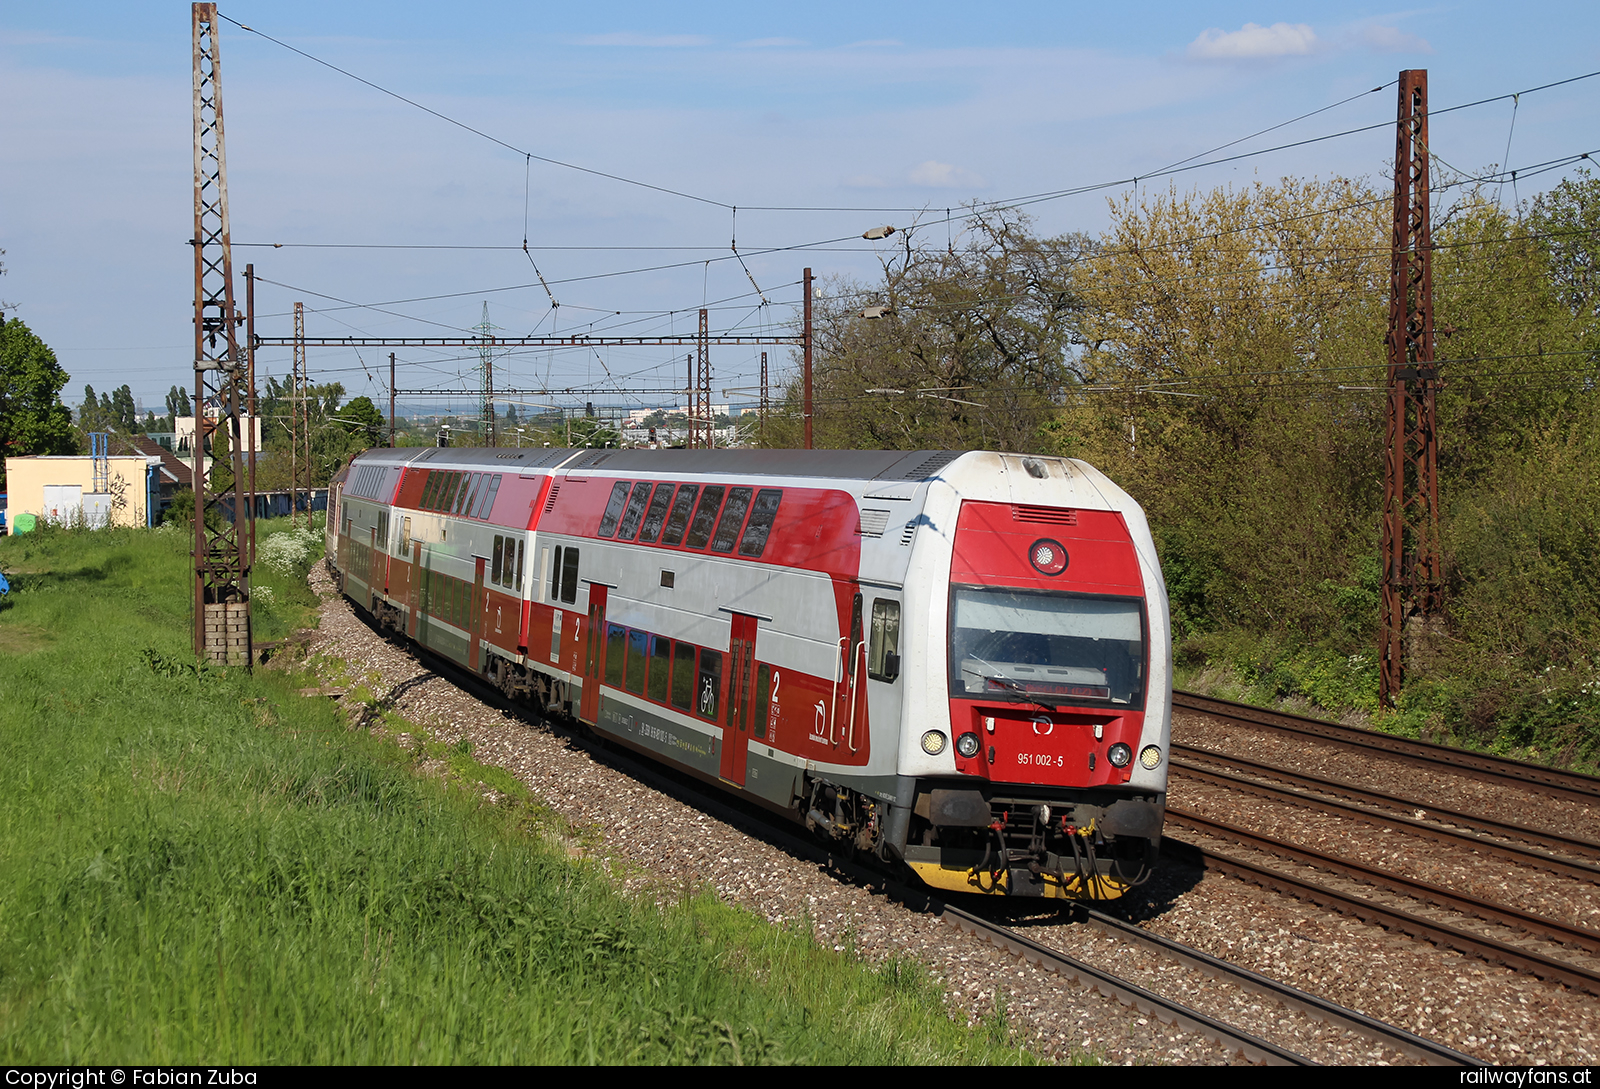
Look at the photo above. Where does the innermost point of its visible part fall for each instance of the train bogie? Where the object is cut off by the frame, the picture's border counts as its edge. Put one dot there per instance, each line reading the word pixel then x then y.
pixel 957 662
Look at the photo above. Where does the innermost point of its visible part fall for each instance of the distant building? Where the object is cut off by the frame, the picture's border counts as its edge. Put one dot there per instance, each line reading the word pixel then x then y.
pixel 121 490
pixel 183 431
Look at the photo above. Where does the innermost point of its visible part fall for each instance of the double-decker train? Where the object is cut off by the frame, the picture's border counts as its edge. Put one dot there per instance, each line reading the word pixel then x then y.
pixel 956 661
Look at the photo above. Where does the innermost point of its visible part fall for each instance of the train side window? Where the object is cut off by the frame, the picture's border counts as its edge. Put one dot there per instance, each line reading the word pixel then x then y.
pixel 569 576
pixel 630 519
pixel 883 650
pixel 555 577
pixel 678 520
pixel 705 516
pixel 660 667
pixel 516 584
pixel 635 675
pixel 650 529
pixel 763 695
pixel 486 501
pixel 765 511
pixel 732 520
pixel 447 493
pixel 469 494
pixel 405 536
pixel 429 481
pixel 683 676
pixel 383 528
pixel 614 505
pixel 616 636
pixel 498 568
pixel 710 686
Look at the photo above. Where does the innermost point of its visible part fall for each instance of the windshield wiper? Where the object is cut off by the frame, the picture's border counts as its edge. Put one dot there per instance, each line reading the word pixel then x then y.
pixel 1009 684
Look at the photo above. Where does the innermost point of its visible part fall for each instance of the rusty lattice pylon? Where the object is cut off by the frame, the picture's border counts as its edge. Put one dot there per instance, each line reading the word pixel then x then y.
pixel 221 377
pixel 1411 556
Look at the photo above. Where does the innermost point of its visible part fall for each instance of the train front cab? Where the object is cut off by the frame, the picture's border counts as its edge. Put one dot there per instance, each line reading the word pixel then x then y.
pixel 1058 715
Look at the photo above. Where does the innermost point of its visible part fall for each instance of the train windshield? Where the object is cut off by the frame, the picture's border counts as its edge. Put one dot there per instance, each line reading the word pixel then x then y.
pixel 1034 646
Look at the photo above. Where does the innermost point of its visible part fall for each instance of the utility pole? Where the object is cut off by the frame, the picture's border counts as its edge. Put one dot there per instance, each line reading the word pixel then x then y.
pixel 391 400
pixel 688 389
pixel 702 385
pixel 251 416
pixel 1411 562
pixel 486 378
pixel 296 398
pixel 761 420
pixel 806 363
pixel 221 559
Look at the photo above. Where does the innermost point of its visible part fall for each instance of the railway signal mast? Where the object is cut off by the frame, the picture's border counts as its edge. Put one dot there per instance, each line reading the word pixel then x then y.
pixel 1411 561
pixel 221 378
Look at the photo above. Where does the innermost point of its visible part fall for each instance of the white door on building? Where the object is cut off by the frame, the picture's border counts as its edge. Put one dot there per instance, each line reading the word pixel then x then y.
pixel 63 502
pixel 97 509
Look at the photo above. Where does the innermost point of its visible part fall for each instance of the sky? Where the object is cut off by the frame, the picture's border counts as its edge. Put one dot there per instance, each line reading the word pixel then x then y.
pixel 362 206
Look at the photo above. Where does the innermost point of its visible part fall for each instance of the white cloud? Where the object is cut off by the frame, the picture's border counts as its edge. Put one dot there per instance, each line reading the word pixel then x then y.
pixel 1253 42
pixel 649 41
pixel 771 43
pixel 937 175
pixel 1389 39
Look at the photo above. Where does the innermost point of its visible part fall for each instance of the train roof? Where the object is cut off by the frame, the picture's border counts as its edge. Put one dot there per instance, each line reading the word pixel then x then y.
pixel 912 465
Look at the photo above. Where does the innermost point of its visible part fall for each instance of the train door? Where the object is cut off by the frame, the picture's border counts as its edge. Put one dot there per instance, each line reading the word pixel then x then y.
pixel 477 622
pixel 741 694
pixel 414 597
pixel 594 655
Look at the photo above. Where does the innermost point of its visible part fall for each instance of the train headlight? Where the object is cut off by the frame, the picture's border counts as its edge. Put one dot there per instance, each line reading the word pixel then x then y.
pixel 933 742
pixel 1119 755
pixel 1150 757
pixel 967 745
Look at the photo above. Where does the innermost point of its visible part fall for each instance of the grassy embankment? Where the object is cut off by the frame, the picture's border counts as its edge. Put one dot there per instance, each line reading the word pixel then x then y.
pixel 204 866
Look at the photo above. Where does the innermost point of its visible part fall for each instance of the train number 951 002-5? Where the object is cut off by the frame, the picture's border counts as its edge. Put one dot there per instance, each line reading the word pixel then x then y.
pixel 1041 759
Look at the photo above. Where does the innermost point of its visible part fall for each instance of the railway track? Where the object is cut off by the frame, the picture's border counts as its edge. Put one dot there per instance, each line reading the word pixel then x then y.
pixel 1439 933
pixel 1489 769
pixel 752 820
pixel 1567 856
pixel 1437 823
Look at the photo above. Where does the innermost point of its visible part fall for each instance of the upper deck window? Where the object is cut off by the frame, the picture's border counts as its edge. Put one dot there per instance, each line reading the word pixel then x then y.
pixel 678 520
pixel 630 518
pixel 754 541
pixel 732 519
pixel 705 516
pixel 614 505
pixel 650 529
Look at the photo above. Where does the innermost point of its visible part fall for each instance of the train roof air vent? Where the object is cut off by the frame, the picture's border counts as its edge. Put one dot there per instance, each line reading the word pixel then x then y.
pixel 927 466
pixel 549 504
pixel 911 531
pixel 872 523
pixel 1050 516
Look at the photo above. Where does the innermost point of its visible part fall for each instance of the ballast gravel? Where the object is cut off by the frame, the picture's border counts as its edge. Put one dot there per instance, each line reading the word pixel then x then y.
pixel 658 846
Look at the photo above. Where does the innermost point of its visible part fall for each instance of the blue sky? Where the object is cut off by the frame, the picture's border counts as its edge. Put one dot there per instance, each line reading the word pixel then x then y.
pixel 834 105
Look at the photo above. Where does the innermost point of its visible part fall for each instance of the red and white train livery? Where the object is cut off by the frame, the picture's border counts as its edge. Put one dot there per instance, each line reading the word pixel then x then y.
pixel 956 661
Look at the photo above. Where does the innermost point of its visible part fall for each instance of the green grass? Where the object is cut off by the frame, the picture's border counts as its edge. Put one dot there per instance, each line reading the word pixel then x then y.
pixel 199 865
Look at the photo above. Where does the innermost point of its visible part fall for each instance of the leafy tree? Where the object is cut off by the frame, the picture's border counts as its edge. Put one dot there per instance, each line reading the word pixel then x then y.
pixel 32 418
pixel 361 417
pixel 177 404
pixel 957 346
pixel 1219 328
